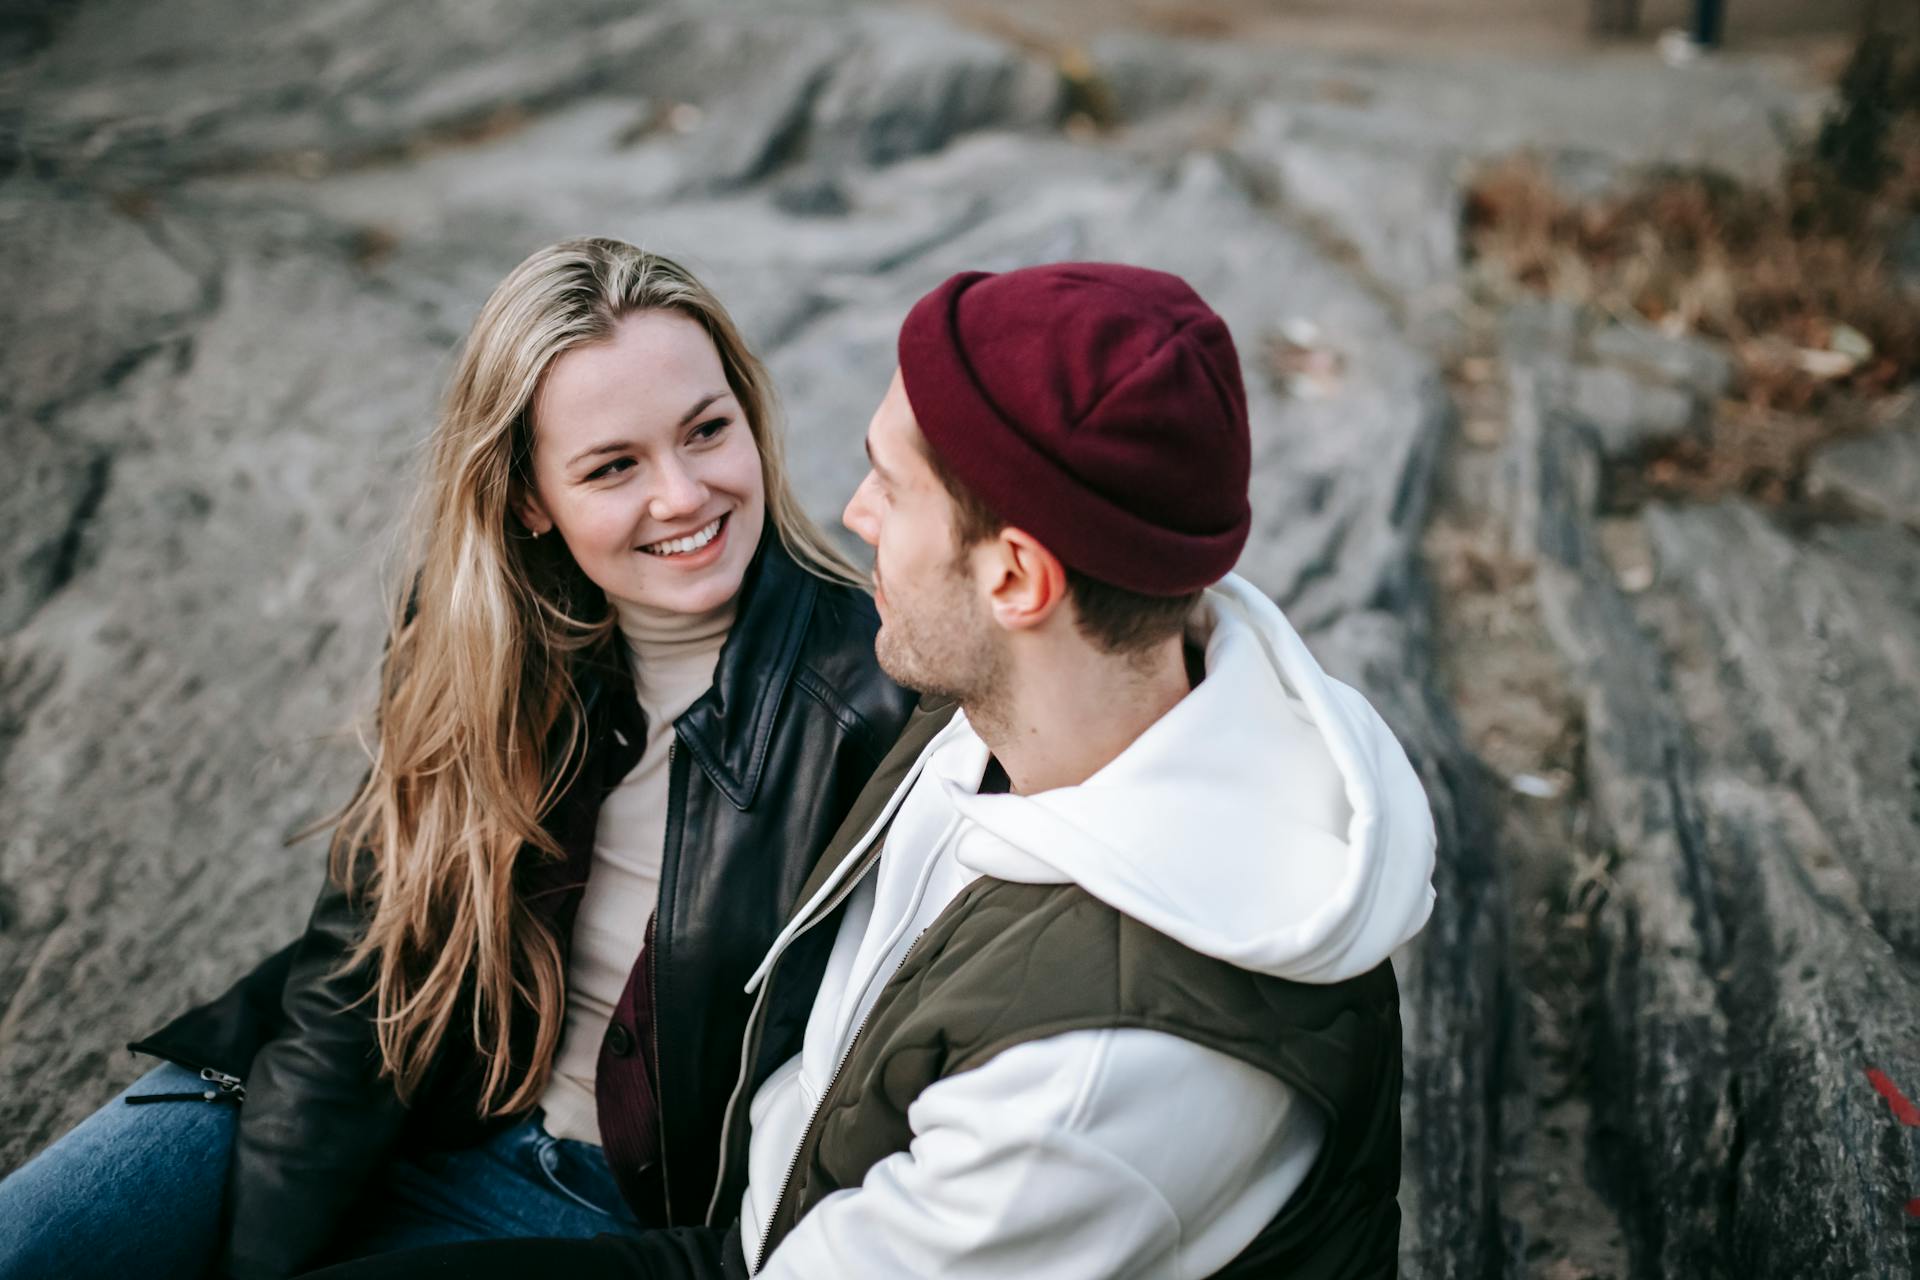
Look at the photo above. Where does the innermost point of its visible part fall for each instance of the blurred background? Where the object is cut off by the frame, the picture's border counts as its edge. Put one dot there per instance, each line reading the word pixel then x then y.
pixel 1580 355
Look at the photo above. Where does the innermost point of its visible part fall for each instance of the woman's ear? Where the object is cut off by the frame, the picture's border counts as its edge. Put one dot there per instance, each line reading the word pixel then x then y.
pixel 530 511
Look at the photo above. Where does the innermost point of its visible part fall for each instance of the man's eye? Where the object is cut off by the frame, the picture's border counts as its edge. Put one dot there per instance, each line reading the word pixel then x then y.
pixel 617 465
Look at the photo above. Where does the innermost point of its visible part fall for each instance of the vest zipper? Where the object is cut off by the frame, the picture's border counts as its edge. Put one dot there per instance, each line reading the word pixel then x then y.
pixel 793 1167
pixel 751 1048
pixel 750 1042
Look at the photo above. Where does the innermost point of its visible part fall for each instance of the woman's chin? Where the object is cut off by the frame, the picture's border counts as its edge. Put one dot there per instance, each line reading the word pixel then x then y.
pixel 680 591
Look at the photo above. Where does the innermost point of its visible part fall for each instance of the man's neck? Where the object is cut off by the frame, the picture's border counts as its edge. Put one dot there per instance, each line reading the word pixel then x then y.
pixel 1068 711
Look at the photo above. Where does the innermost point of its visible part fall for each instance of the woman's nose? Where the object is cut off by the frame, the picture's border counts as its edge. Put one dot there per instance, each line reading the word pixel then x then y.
pixel 680 492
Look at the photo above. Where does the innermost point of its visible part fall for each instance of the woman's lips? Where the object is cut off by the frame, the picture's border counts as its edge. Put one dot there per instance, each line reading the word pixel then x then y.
pixel 697 556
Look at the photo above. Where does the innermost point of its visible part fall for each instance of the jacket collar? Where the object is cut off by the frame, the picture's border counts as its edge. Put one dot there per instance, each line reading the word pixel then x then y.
pixel 728 729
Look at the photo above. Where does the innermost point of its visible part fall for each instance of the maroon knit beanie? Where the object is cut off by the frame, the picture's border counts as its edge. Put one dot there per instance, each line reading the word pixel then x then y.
pixel 1096 406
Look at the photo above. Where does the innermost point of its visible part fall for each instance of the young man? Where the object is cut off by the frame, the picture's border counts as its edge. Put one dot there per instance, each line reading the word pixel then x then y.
pixel 1095 979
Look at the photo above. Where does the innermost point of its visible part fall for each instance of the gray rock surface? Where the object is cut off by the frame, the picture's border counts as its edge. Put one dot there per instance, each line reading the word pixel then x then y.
pixel 1629 416
pixel 1876 474
pixel 1687 363
pixel 1747 775
pixel 243 241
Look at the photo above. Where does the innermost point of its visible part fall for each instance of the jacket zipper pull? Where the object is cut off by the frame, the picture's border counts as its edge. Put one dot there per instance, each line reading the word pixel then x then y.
pixel 221 1087
pixel 230 1088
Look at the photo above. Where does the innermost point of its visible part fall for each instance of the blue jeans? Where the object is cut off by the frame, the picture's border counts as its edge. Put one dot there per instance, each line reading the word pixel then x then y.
pixel 136 1190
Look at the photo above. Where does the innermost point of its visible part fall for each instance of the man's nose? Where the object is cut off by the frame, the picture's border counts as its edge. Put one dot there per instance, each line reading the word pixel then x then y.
pixel 859 515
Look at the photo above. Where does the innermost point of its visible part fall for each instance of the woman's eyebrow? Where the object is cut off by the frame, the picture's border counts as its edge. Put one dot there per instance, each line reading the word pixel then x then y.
pixel 700 407
pixel 611 446
pixel 623 446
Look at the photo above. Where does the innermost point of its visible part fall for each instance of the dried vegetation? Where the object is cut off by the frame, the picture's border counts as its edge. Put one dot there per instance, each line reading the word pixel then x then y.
pixel 1803 281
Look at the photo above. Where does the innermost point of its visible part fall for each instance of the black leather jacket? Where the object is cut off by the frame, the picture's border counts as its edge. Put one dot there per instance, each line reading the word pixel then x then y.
pixel 765 766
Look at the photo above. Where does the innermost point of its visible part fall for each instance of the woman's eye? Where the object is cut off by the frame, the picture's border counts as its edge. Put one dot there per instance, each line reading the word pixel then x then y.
pixel 708 430
pixel 611 468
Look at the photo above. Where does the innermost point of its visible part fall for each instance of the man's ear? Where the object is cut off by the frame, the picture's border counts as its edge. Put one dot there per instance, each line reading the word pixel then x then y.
pixel 1029 582
pixel 530 511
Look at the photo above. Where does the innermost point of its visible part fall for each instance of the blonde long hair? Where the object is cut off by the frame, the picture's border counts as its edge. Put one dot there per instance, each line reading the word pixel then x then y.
pixel 480 727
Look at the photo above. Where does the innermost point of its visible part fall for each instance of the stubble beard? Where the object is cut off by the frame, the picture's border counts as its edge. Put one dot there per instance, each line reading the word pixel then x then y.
pixel 942 644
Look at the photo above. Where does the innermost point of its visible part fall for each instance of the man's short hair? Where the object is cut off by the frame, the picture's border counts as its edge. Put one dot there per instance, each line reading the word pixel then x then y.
pixel 1115 619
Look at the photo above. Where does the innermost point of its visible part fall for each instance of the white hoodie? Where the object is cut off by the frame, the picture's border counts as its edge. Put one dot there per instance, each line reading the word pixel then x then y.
pixel 1268 819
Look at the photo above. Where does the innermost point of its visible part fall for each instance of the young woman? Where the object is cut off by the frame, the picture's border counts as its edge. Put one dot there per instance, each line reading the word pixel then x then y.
pixel 628 695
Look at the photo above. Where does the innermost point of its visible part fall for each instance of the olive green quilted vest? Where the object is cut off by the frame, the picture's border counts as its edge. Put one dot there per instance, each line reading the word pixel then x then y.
pixel 1008 963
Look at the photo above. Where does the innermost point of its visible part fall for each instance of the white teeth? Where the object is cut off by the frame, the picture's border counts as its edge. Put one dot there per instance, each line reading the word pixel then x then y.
pixel 680 546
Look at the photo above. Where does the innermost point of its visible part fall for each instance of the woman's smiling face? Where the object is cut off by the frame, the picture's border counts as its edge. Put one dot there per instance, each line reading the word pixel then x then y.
pixel 645 464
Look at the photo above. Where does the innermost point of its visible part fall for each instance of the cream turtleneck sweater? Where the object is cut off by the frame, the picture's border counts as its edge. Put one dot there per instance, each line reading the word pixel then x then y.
pixel 673 656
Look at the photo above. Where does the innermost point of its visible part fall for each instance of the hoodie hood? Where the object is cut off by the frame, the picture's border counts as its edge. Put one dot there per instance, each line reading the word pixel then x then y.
pixel 1269 819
